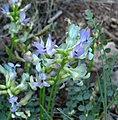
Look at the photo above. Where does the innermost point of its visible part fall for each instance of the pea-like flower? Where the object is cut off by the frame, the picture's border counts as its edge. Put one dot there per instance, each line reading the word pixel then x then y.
pixel 13 101
pixel 41 82
pixel 84 35
pixel 47 49
pixel 82 45
pixel 78 50
pixel 23 18
pixel 11 68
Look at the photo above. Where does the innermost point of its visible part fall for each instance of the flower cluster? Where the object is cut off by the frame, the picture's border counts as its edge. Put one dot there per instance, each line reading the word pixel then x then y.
pixel 15 4
pixel 53 63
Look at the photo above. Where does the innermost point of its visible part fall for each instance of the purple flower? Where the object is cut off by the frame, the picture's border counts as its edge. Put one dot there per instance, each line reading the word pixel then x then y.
pixel 79 48
pixel 47 49
pixel 84 35
pixel 23 18
pixel 6 8
pixel 13 101
pixel 41 82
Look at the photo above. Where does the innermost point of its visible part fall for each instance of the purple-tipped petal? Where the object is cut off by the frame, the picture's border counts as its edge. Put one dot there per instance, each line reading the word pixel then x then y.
pixel 49 42
pixel 46 84
pixel 14 108
pixel 13 99
pixel 27 58
pixel 27 6
pixel 37 52
pixel 84 35
pixel 50 46
pixel 6 7
pixel 42 76
pixel 36 84
pixel 41 49
pixel 26 20
pixel 78 50
pixel 22 16
pixel 38 46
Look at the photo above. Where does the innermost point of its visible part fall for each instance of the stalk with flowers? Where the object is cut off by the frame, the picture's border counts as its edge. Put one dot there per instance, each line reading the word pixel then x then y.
pixel 52 64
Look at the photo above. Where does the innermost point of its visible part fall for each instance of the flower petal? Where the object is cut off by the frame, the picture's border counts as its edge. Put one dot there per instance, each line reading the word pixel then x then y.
pixel 14 108
pixel 26 20
pixel 6 7
pixel 36 84
pixel 38 46
pixel 78 50
pixel 46 84
pixel 13 99
pixel 49 42
pixel 22 16
pixel 42 76
pixel 11 64
pixel 84 35
pixel 27 6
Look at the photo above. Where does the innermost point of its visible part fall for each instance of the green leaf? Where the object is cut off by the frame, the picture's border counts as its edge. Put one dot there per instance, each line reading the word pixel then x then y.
pixel 76 89
pixel 82 117
pixel 81 108
pixel 2 70
pixel 89 107
pixel 83 87
pixel 89 14
pixel 86 96
pixel 99 47
pixel 79 98
pixel 73 31
pixel 107 50
pixel 104 42
pixel 90 23
pixel 90 117
pixel 101 57
pixel 109 60
pixel 110 92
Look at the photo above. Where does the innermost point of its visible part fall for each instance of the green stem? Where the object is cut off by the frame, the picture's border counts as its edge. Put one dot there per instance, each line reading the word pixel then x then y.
pixel 9 116
pixel 92 61
pixel 53 90
pixel 45 112
pixel 104 86
pixel 41 111
pixel 50 98
pixel 12 46
pixel 113 100
pixel 42 103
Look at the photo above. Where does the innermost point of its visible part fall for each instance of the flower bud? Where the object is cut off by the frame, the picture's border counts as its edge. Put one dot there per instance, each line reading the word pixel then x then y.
pixel 3 92
pixel 8 84
pixel 3 87
pixel 51 82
